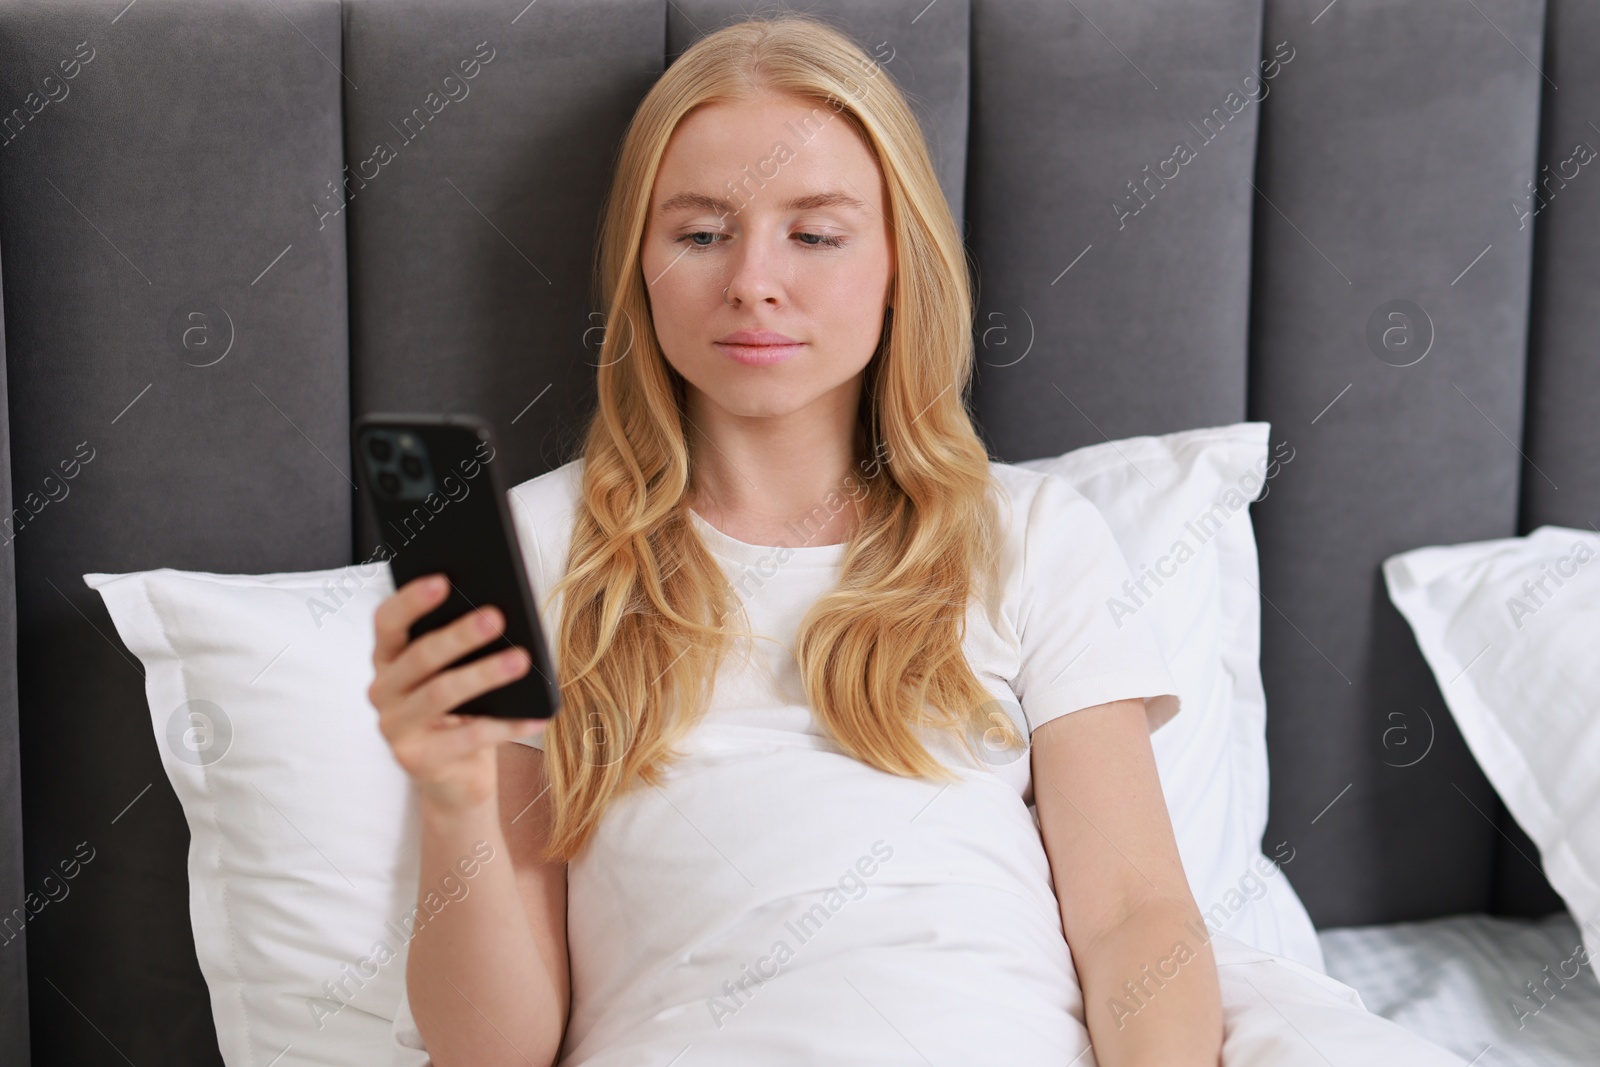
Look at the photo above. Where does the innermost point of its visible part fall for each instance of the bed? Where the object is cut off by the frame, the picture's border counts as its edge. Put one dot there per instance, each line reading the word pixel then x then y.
pixel 210 266
pixel 1461 981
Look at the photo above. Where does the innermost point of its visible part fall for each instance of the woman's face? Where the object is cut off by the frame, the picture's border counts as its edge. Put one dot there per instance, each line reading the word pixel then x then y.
pixel 779 201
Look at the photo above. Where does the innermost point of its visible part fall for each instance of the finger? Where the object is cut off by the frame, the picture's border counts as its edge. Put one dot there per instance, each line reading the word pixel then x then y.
pixel 438 649
pixel 393 618
pixel 448 690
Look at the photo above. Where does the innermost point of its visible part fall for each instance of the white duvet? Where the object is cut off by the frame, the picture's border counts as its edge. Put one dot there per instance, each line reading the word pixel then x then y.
pixel 778 902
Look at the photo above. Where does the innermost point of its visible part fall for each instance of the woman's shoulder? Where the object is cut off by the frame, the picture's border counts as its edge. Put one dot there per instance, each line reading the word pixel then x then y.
pixel 553 489
pixel 1051 523
pixel 542 508
pixel 1019 482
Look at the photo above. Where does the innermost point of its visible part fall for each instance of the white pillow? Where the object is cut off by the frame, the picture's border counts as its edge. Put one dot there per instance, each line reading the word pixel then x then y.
pixel 304 839
pixel 1511 630
pixel 1179 507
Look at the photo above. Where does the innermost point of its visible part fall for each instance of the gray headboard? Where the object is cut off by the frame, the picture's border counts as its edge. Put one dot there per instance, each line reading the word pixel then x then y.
pixel 227 227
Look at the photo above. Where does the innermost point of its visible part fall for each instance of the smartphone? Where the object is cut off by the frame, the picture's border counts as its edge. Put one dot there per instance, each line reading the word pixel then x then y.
pixel 436 494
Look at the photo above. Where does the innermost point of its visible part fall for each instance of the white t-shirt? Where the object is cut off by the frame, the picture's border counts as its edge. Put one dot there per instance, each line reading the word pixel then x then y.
pixel 777 900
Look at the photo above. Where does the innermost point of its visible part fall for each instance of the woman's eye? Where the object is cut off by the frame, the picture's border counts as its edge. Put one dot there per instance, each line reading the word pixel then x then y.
pixel 690 237
pixel 822 240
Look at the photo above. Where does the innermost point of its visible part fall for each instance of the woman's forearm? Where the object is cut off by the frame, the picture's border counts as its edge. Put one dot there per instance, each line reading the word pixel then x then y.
pixel 478 986
pixel 1151 997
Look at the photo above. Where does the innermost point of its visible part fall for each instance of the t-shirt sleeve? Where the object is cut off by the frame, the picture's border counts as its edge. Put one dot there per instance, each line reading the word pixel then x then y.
pixel 533 563
pixel 1076 653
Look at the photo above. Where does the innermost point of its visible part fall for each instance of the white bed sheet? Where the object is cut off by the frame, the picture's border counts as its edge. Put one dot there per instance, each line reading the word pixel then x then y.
pixel 1462 982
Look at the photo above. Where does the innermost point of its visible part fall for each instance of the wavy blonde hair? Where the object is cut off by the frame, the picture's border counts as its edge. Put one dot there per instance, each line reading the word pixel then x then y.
pixel 641 631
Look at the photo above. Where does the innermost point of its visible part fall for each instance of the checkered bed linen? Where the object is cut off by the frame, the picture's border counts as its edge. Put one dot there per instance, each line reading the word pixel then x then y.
pixel 1498 992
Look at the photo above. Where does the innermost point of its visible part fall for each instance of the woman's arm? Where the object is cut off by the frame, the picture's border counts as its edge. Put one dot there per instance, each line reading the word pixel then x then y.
pixel 488 977
pixel 1150 991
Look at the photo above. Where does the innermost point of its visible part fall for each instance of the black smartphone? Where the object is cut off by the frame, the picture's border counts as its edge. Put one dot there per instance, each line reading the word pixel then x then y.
pixel 440 506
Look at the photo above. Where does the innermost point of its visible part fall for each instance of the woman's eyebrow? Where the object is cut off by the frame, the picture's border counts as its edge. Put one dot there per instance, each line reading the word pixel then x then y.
pixel 704 202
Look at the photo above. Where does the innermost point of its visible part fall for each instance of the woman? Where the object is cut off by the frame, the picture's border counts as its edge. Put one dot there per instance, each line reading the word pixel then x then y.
pixel 784 815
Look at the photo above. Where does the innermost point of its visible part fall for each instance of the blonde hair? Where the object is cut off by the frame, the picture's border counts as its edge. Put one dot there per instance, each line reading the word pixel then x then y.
pixel 641 631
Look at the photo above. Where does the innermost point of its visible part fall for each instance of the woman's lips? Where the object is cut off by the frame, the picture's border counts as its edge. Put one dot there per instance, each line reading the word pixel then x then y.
pixel 759 355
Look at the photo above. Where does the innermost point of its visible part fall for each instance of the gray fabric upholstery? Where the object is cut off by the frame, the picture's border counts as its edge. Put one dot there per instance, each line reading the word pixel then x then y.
pixel 181 162
pixel 1563 449
pixel 197 164
pixel 1099 317
pixel 13 964
pixel 1371 201
pixel 472 250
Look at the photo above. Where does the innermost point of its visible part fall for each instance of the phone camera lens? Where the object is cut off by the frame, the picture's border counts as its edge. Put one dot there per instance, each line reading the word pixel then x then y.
pixel 388 483
pixel 411 465
pixel 380 448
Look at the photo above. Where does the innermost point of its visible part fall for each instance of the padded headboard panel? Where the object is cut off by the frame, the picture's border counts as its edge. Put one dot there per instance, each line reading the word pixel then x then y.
pixel 209 267
pixel 1112 301
pixel 175 333
pixel 1559 485
pixel 472 248
pixel 1399 441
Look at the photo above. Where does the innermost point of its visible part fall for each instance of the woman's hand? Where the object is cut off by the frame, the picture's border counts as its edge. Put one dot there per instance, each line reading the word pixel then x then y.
pixel 451 758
